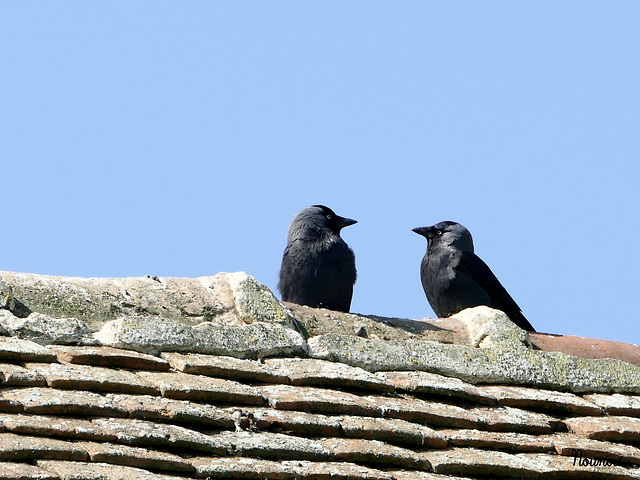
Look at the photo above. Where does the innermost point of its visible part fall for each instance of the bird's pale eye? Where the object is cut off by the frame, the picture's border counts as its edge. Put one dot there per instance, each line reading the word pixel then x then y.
pixel 439 232
pixel 329 216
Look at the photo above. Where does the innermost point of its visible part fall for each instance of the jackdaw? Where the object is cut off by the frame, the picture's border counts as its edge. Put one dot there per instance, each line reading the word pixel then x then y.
pixel 318 267
pixel 454 278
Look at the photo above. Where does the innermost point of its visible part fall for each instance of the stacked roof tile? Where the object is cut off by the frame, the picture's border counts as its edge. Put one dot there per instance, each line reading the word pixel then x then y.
pixel 95 412
pixel 214 378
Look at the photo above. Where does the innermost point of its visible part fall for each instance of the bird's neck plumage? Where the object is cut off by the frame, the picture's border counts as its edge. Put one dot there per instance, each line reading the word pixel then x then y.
pixel 328 239
pixel 318 240
pixel 439 248
pixel 457 245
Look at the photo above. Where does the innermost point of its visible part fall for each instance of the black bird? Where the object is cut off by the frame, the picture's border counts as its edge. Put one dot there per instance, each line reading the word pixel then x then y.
pixel 454 278
pixel 318 267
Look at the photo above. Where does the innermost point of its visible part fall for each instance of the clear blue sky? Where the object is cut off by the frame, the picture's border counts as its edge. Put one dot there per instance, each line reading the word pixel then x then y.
pixel 180 138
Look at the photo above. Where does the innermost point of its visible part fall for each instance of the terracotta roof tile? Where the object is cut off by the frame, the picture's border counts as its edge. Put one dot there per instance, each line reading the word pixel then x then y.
pixel 120 430
pixel 99 471
pixel 391 430
pixel 474 462
pixel 512 419
pixel 16 349
pixel 135 457
pixel 420 475
pixel 372 451
pixel 144 433
pixel 24 471
pixel 469 461
pixel 434 384
pixel 297 371
pixel 296 422
pixel 51 401
pixel 313 372
pixel 484 418
pixel 248 468
pixel 543 399
pixel 84 377
pixel 616 429
pixel 201 388
pixel 8 404
pixel 224 367
pixel 332 401
pixel 623 454
pixel 109 357
pixel 554 467
pixel 617 404
pixel 312 424
pixel 63 427
pixel 425 412
pixel 274 446
pixel 23 447
pixel 280 447
pixel 182 412
pixel 16 375
pixel 311 399
pixel 508 441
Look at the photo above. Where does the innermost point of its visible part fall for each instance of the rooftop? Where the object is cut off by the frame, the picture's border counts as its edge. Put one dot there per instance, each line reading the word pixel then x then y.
pixel 164 378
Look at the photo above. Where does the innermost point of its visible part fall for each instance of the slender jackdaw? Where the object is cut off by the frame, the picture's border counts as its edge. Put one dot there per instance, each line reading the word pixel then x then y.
pixel 454 278
pixel 318 267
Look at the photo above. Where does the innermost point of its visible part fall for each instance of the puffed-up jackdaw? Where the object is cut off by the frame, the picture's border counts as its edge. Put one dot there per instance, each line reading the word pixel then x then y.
pixel 318 267
pixel 455 278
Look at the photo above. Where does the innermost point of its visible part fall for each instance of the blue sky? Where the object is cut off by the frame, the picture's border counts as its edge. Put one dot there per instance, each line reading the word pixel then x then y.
pixel 180 138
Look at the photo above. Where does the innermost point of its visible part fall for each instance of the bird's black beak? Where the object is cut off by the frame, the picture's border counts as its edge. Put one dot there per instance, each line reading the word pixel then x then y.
pixel 426 232
pixel 345 222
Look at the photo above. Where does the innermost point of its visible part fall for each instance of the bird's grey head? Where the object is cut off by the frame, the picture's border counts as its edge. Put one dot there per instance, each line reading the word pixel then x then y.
pixel 446 234
pixel 316 222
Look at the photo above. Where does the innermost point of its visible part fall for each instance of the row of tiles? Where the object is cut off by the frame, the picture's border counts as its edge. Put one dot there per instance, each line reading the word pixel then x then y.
pixel 313 411
pixel 253 455
pixel 367 423
pixel 131 372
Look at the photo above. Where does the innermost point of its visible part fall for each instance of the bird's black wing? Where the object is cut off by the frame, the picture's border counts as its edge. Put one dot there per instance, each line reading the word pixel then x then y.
pixel 337 276
pixel 473 266
pixel 296 276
